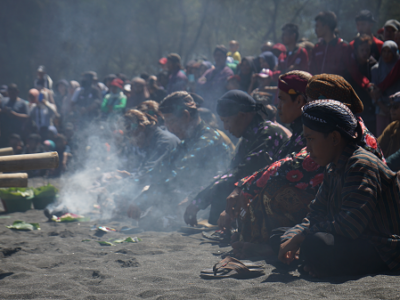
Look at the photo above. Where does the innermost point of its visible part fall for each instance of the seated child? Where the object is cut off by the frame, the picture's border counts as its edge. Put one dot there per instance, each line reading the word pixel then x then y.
pixel 352 226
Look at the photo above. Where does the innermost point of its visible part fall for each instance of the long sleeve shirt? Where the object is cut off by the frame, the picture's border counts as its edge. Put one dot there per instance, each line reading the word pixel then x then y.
pixel 261 140
pixel 359 198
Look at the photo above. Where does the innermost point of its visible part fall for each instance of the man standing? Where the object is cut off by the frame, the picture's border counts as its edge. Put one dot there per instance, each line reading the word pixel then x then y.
pixel 296 57
pixel 330 53
pixel 365 21
pixel 212 84
pixel 391 27
pixel 13 114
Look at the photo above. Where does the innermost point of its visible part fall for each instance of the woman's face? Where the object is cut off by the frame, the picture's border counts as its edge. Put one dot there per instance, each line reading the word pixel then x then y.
pixel 387 55
pixel 264 64
pixel 364 52
pixel 62 89
pixel 245 67
pixel 321 148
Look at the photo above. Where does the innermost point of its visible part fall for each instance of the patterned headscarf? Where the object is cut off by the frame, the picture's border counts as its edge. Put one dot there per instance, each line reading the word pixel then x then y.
pixel 329 86
pixel 294 82
pixel 329 115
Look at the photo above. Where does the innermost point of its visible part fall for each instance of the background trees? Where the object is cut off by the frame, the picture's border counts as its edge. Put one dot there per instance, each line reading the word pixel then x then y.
pixel 129 36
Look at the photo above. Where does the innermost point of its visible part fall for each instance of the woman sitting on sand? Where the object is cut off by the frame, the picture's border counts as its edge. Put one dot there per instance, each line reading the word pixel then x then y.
pixel 352 226
pixel 280 193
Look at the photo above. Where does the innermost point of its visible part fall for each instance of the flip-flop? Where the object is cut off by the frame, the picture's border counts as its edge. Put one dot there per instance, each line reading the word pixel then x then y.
pixel 233 270
pixel 227 260
pixel 219 235
pixel 196 229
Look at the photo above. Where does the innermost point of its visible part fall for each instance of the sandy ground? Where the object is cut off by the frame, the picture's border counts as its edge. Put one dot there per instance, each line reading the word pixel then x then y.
pixel 54 263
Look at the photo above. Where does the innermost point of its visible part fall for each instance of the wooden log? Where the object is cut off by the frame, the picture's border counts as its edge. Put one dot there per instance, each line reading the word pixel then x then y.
pixel 25 162
pixel 14 180
pixel 6 151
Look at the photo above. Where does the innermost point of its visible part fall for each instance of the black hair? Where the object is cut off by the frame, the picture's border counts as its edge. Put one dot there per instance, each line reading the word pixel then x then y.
pixel 12 87
pixel 292 28
pixel 327 18
pixel 36 137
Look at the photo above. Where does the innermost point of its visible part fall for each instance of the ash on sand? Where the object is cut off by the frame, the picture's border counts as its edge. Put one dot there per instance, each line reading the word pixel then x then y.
pixel 54 263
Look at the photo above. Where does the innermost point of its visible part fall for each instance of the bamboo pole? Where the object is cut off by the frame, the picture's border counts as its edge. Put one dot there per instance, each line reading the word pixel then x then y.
pixel 6 151
pixel 14 180
pixel 24 162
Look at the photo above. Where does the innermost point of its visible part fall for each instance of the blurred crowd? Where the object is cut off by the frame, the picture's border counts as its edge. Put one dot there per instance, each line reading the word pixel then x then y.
pixel 54 111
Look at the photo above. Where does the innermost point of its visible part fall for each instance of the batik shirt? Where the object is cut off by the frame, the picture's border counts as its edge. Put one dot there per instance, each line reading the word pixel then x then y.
pixel 187 169
pixel 294 144
pixel 259 143
pixel 359 198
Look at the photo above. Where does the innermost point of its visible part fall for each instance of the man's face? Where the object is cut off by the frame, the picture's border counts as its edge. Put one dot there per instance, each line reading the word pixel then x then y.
pixel 219 58
pixel 13 94
pixel 114 89
pixel 288 38
pixel 32 98
pixel 288 109
pixel 40 74
pixel 364 27
pixel 395 112
pixel 364 52
pixel 322 149
pixel 234 124
pixel 177 125
pixel 389 33
pixel 320 29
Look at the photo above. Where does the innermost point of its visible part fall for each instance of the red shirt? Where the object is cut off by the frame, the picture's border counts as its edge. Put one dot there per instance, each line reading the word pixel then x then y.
pixel 329 58
pixel 376 47
pixel 298 57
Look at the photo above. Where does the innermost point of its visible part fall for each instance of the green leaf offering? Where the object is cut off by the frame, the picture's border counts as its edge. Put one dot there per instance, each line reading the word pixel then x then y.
pixel 86 240
pixel 133 240
pixel 127 240
pixel 22 225
pixel 104 243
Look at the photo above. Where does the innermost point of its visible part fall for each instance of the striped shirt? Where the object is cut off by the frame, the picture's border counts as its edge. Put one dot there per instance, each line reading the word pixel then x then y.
pixel 359 198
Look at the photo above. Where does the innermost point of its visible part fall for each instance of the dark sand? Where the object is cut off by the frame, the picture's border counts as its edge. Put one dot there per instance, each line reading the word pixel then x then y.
pixel 54 263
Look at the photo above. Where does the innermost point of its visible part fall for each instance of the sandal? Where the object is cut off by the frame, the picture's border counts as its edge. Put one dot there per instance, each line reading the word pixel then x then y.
pixel 230 267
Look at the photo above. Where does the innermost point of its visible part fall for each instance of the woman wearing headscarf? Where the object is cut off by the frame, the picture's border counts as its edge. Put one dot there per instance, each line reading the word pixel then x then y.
pixel 351 228
pixel 388 59
pixel 281 192
pixel 139 93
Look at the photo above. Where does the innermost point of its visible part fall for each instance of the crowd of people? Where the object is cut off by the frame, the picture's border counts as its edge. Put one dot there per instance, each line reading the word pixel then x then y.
pixel 291 162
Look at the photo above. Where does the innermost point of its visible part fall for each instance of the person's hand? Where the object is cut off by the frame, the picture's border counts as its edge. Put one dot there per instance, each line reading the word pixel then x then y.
pixel 124 174
pixel 134 212
pixel 190 215
pixel 224 221
pixel 289 250
pixel 233 203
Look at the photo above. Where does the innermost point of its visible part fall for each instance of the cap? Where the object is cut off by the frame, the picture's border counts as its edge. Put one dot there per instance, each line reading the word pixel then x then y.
pixel 162 60
pixel 393 23
pixel 365 15
pixel 395 98
pixel 280 47
pixel 41 69
pixel 118 83
pixel 265 73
